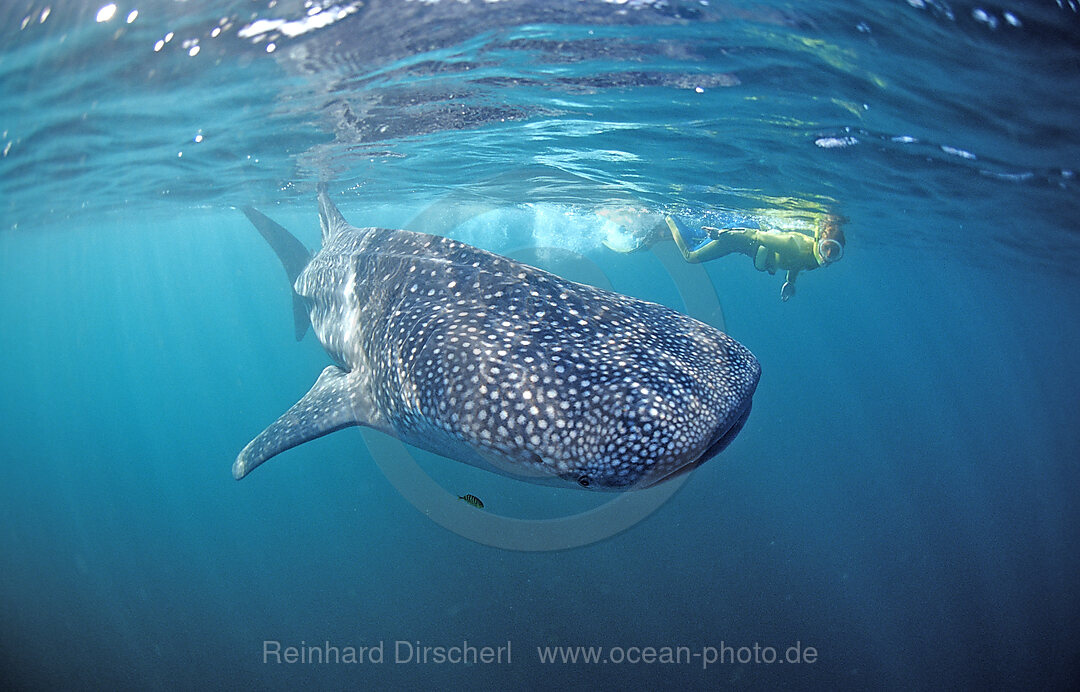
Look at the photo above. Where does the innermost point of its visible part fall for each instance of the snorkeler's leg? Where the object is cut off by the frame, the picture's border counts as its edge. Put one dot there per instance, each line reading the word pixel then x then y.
pixel 680 240
pixel 742 240
pixel 722 242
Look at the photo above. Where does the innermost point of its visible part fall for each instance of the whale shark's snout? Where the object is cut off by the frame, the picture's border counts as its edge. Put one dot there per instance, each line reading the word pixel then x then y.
pixel 654 449
pixel 722 440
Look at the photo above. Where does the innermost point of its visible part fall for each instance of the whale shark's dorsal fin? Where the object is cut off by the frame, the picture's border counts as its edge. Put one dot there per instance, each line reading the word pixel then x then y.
pixel 293 256
pixel 330 405
pixel 330 218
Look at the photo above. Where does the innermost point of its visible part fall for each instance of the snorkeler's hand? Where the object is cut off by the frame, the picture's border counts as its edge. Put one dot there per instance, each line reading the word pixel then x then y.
pixel 786 291
pixel 711 232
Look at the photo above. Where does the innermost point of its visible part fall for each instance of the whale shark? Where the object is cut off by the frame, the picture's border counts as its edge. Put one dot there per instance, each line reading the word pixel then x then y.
pixel 488 361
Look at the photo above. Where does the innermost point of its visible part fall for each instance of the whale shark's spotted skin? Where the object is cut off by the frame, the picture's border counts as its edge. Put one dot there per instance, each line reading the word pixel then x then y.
pixel 489 361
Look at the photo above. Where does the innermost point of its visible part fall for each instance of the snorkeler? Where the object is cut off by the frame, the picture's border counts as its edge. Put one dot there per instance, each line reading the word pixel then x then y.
pixel 790 251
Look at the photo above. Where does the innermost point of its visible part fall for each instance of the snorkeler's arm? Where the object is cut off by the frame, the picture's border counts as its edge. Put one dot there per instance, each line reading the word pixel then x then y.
pixel 788 289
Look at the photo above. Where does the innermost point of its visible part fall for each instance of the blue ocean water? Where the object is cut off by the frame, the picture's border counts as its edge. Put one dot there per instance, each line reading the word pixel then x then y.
pixel 902 499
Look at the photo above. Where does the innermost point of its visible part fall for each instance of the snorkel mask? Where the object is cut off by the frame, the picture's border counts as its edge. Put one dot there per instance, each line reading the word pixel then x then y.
pixel 830 240
pixel 830 250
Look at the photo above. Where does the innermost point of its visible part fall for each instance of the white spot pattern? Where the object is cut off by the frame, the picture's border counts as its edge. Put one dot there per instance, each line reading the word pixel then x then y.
pixel 466 351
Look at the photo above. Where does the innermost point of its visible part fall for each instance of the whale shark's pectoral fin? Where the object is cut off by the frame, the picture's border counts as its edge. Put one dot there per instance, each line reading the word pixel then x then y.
pixel 330 405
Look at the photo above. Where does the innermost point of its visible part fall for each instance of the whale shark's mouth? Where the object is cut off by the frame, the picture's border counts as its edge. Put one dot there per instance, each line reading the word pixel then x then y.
pixel 718 445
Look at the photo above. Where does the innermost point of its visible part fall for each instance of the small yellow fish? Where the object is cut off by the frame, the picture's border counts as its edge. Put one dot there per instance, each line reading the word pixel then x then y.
pixel 472 500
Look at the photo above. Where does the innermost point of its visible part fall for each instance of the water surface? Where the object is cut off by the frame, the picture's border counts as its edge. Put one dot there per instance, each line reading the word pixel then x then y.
pixel 902 497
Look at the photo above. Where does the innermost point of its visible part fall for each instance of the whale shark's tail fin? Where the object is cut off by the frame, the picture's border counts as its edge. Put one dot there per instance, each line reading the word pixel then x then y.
pixel 294 257
pixel 330 218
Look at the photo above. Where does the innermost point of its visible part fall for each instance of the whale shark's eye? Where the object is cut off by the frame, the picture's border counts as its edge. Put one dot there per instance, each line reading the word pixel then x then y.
pixel 583 481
